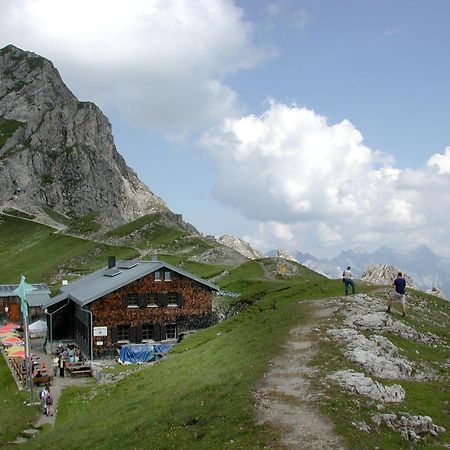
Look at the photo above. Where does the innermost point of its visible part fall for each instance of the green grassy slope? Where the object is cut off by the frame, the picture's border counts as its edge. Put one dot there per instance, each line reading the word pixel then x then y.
pixel 201 396
pixel 36 251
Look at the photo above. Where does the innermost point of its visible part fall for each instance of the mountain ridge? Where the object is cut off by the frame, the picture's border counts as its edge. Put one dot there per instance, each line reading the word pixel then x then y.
pixel 420 263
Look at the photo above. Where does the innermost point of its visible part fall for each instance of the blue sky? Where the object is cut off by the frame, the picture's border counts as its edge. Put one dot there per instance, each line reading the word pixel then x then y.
pixel 305 125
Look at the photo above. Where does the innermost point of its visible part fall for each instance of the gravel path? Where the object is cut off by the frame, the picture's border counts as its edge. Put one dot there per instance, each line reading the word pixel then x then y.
pixel 286 398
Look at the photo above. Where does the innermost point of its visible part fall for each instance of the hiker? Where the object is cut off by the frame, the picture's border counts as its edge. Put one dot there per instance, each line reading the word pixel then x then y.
pixel 61 366
pixel 347 277
pixel 55 362
pixel 49 404
pixel 398 294
pixel 43 398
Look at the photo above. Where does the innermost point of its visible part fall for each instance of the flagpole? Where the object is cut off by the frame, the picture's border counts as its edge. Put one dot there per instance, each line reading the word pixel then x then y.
pixel 29 368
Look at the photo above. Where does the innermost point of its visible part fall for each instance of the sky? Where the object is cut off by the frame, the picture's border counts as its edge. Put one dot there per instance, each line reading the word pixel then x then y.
pixel 310 126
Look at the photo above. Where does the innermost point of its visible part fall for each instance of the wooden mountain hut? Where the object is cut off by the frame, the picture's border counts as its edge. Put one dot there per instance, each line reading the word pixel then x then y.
pixel 129 302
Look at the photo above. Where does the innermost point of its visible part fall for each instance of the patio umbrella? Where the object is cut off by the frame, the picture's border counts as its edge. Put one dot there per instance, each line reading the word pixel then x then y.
pixel 15 348
pixel 17 354
pixel 12 340
pixel 9 326
pixel 7 334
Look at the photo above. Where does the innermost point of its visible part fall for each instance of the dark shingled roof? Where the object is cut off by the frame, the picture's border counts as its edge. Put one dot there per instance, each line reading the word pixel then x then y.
pixel 86 289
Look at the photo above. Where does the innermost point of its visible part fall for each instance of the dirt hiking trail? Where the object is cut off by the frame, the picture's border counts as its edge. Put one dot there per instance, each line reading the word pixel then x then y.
pixel 286 399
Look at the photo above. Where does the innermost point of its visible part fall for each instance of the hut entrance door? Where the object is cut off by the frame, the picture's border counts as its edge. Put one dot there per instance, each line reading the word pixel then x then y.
pixel 14 312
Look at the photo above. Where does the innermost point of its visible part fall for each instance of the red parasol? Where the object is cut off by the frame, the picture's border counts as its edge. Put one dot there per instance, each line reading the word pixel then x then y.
pixel 11 340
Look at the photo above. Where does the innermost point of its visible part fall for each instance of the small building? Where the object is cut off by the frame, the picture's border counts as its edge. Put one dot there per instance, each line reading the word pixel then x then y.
pixel 129 302
pixel 10 303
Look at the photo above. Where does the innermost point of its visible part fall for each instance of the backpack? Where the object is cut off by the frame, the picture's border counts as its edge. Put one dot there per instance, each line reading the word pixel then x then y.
pixel 49 400
pixel 42 394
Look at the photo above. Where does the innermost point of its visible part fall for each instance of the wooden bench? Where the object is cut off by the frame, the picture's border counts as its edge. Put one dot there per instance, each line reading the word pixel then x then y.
pixel 81 373
pixel 79 369
pixel 44 378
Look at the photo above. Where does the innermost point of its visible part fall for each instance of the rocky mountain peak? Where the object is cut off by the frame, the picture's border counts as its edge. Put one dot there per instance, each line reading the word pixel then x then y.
pixel 59 152
pixel 239 245
pixel 281 253
pixel 383 274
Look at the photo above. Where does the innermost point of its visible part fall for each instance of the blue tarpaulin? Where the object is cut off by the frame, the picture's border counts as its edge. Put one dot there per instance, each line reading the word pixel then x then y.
pixel 141 353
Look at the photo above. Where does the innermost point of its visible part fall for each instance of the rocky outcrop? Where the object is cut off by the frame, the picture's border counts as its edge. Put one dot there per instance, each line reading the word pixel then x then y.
pixel 383 274
pixel 411 428
pixel 285 255
pixel 59 151
pixel 359 383
pixel 437 292
pixel 240 246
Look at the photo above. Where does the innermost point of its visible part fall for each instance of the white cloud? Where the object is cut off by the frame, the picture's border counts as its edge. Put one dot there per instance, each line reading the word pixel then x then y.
pixel 160 62
pixel 441 162
pixel 314 184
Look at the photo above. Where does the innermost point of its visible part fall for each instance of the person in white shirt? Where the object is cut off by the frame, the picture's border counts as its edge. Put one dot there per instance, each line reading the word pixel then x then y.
pixel 347 276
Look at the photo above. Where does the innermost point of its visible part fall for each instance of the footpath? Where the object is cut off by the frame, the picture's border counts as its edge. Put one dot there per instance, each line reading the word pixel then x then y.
pixel 56 387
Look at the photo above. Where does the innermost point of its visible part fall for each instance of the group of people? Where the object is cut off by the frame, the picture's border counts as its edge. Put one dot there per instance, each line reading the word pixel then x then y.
pixel 397 295
pixel 70 353
pixel 46 400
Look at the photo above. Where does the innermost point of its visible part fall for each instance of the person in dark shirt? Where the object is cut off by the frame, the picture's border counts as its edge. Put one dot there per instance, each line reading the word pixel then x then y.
pixel 399 293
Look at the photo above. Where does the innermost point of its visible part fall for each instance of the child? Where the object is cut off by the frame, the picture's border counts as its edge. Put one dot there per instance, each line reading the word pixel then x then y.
pixel 49 404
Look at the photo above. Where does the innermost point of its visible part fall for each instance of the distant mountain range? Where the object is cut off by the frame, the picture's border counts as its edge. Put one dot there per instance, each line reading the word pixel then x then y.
pixel 425 268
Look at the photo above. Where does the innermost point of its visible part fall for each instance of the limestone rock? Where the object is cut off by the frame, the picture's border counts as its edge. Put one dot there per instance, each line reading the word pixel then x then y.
pixel 411 428
pixel 60 151
pixel 285 255
pixel 358 382
pixel 383 274
pixel 240 246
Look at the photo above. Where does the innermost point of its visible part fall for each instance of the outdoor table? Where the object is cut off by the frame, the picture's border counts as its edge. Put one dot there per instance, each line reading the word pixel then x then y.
pixel 79 369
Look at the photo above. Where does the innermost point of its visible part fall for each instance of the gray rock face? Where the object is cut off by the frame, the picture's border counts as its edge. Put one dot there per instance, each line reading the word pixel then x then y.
pixel 240 246
pixel 281 253
pixel 356 381
pixel 411 428
pixel 59 151
pixel 383 274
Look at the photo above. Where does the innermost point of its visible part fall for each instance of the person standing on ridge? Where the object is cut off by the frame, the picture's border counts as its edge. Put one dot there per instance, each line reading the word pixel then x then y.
pixel 398 294
pixel 348 280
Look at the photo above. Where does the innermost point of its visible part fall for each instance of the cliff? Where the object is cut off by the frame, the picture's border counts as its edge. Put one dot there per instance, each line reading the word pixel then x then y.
pixel 57 153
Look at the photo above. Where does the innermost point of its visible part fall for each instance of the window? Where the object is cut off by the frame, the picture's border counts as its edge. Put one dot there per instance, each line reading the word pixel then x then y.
pixel 172 299
pixel 167 275
pixel 133 300
pixel 123 332
pixel 171 331
pixel 152 299
pixel 157 275
pixel 147 332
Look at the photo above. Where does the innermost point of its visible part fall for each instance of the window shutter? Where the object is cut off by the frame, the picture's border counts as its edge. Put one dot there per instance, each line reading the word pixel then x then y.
pixel 125 300
pixel 156 332
pixel 142 300
pixel 162 300
pixel 114 335
pixel 180 299
pixel 133 334
pixel 138 334
pixel 163 333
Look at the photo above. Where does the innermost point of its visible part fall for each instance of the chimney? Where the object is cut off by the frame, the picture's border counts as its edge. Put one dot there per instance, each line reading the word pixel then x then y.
pixel 154 258
pixel 111 262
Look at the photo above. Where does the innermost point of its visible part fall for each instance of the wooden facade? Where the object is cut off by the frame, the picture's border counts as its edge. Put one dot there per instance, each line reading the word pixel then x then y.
pixel 151 310
pixel 155 307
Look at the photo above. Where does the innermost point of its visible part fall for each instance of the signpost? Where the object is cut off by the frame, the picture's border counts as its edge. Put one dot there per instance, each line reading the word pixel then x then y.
pixel 21 291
